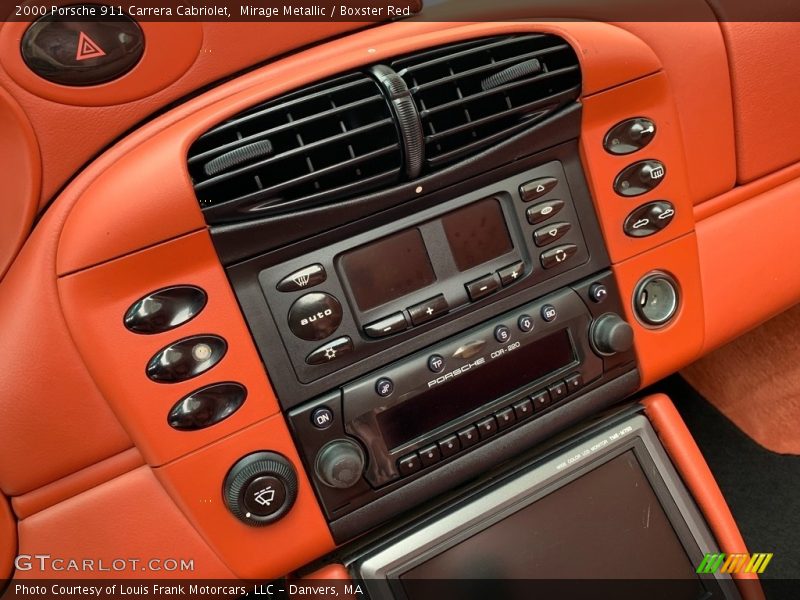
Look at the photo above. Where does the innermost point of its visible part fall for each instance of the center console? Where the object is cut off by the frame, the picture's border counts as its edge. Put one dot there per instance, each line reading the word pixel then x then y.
pixel 419 332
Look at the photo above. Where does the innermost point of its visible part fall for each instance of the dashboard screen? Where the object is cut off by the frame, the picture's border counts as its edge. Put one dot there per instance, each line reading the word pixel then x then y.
pixel 477 233
pixel 607 524
pixel 435 407
pixel 388 269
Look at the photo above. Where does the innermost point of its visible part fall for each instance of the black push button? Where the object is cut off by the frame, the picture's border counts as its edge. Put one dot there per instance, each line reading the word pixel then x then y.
pixel 322 417
pixel 551 233
pixel 629 136
pixel 505 418
pixel 537 188
pixel 84 50
pixel 502 334
pixel 206 406
pixel 480 288
pixel 430 309
pixel 639 178
pixel 486 427
pixel 331 351
pixel 384 387
pixel 523 409
pixel 387 326
pixel 315 316
pixel 543 211
pixel 555 256
pixel 574 382
pixel 409 464
pixel 549 313
pixel 430 455
pixel 540 400
pixel 436 363
pixel 598 292
pixel 264 496
pixel 165 309
pixel 649 218
pixel 511 273
pixel 449 446
pixel 303 278
pixel 557 391
pixel 186 358
pixel 525 323
pixel 468 437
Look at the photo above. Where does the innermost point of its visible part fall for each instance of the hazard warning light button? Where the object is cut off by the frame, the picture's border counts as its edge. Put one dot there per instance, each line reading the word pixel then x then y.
pixel 82 50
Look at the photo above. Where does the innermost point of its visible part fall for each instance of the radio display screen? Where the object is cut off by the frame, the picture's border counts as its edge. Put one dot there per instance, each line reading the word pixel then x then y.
pixel 477 233
pixel 445 402
pixel 388 269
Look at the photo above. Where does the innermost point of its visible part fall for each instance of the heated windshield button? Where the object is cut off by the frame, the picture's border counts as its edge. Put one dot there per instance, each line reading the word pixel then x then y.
pixel 303 278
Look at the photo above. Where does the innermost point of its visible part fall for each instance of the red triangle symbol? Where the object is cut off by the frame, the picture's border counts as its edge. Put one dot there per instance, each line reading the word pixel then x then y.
pixel 88 48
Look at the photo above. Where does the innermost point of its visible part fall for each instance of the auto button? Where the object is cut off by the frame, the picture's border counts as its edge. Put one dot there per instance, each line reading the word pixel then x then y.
pixel 315 316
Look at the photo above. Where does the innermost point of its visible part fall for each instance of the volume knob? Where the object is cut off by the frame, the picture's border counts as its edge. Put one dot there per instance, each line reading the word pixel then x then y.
pixel 340 464
pixel 610 334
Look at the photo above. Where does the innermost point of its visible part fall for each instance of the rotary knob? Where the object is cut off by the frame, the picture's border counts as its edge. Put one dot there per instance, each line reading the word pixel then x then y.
pixel 260 488
pixel 610 334
pixel 340 464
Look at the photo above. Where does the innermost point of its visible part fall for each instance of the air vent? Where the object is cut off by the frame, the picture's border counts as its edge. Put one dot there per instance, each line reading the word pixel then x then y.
pixel 324 142
pixel 473 94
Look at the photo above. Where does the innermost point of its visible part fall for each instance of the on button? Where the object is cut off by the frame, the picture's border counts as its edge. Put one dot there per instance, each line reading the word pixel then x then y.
pixel 82 50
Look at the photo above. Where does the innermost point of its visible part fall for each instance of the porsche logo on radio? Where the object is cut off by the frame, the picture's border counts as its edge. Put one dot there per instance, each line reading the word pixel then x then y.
pixel 456 372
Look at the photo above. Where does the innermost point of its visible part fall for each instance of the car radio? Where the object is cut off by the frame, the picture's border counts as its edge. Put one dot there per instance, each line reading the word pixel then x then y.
pixel 443 334
pixel 418 413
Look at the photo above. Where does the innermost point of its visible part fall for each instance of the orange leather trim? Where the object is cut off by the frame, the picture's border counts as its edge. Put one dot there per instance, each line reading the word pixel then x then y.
pixel 20 172
pixel 701 91
pixel 746 192
pixel 147 216
pixel 226 48
pixel 334 571
pixel 660 352
pixel 95 301
pixel 649 97
pixel 694 471
pixel 129 517
pixel 746 284
pixel 765 95
pixel 53 420
pixel 169 50
pixel 195 483
pixel 72 485
pixel 8 539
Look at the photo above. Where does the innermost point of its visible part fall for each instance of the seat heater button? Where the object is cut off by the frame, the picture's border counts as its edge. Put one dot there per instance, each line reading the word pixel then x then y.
pixel 186 358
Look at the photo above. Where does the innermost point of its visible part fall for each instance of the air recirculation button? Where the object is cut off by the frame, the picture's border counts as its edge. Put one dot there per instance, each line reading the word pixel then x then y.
pixel 186 358
pixel 207 406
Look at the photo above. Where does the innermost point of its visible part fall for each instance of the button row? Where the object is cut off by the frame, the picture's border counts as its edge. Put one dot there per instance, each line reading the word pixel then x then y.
pixel 489 426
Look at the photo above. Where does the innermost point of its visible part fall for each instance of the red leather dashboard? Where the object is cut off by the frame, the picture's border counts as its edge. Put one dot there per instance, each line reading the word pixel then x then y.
pixel 128 223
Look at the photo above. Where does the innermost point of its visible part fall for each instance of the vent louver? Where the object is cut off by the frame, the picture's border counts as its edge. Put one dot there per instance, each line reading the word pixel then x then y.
pixel 323 142
pixel 473 94
pixel 380 127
